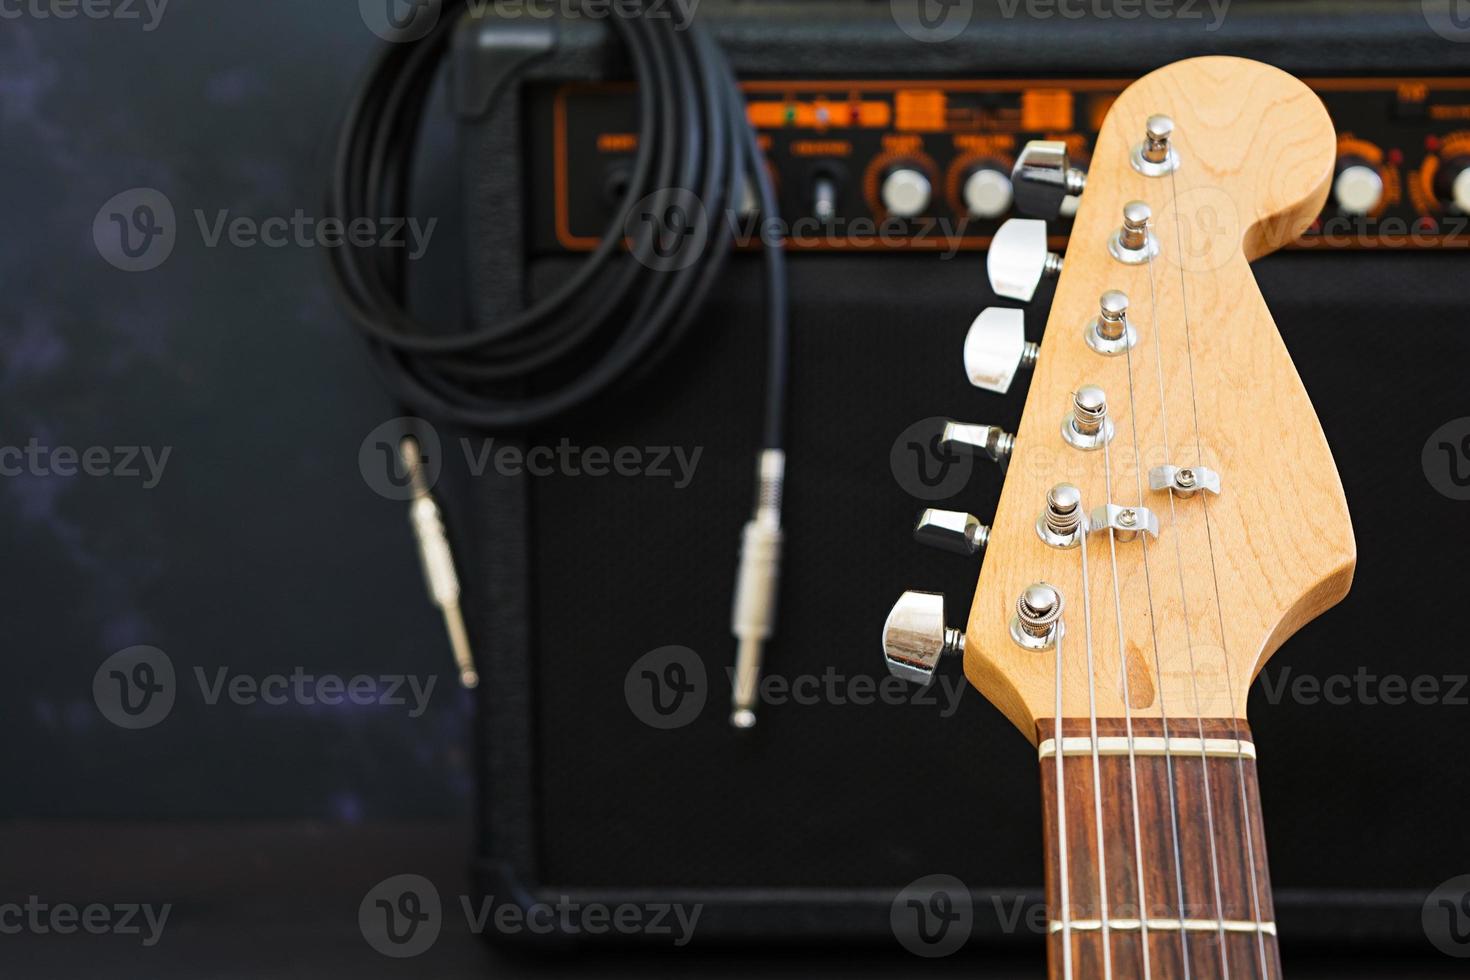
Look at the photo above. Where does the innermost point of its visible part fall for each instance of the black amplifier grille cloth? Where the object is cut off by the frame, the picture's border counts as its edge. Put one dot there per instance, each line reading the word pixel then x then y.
pixel 879 794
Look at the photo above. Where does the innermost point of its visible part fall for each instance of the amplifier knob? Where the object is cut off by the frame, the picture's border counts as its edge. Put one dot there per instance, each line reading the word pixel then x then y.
pixel 1358 188
pixel 988 193
pixel 1460 189
pixel 906 192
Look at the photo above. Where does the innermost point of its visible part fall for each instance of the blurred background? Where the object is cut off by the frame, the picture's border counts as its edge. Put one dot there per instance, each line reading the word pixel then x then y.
pixel 192 499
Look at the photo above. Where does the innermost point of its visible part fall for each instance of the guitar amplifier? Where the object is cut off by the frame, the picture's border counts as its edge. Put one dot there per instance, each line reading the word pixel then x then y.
pixel 600 592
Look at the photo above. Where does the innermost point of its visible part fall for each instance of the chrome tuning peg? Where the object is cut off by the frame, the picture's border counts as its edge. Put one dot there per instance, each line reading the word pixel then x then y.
pixel 1019 259
pixel 1044 178
pixel 991 440
pixel 915 637
pixel 996 348
pixel 952 530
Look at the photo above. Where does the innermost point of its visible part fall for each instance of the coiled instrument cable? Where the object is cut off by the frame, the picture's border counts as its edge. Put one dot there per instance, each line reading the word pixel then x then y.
pixel 629 303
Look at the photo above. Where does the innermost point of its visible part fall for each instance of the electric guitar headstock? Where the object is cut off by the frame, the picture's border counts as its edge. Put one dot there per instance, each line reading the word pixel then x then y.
pixel 1171 510
pixel 1171 514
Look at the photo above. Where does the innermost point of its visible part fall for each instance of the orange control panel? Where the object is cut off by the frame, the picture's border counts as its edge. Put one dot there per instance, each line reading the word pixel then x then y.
pixel 881 165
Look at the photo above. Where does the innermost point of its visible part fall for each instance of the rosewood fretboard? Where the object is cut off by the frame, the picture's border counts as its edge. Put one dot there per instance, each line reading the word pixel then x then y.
pixel 1175 885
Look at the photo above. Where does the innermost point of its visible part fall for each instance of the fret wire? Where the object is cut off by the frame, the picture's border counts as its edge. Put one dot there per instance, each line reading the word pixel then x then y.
pixel 1215 577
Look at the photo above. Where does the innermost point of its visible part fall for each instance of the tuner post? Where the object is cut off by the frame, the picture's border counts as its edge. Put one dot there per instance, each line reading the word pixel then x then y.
pixel 1062 522
pixel 1037 624
pixel 1156 156
pixel 1087 426
pixel 1134 243
pixel 1110 333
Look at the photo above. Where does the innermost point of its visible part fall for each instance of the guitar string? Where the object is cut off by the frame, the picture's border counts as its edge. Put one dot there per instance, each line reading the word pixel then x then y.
pixel 1153 628
pixel 1062 871
pixel 1128 720
pixel 1097 792
pixel 1184 598
pixel 1219 605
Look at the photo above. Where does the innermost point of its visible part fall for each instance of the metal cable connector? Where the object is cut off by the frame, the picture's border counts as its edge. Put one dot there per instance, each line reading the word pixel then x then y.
pixel 754 618
pixel 438 561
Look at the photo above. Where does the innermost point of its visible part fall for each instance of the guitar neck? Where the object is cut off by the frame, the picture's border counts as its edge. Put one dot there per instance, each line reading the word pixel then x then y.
pixel 1157 853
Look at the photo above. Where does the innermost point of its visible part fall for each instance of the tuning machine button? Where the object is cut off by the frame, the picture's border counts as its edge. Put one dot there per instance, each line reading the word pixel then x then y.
pixel 990 440
pixel 996 348
pixel 952 530
pixel 1044 178
pixel 915 637
pixel 1019 259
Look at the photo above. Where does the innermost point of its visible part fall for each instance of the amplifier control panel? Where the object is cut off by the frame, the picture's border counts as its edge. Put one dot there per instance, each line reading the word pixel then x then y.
pixel 925 165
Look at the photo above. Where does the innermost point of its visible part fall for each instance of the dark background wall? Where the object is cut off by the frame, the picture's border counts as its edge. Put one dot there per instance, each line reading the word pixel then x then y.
pixel 261 549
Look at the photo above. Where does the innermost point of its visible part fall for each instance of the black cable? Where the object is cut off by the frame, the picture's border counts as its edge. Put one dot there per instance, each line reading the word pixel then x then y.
pixel 626 306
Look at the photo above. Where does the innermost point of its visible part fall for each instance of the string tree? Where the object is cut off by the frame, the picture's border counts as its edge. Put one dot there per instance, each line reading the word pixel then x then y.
pixel 1184 481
